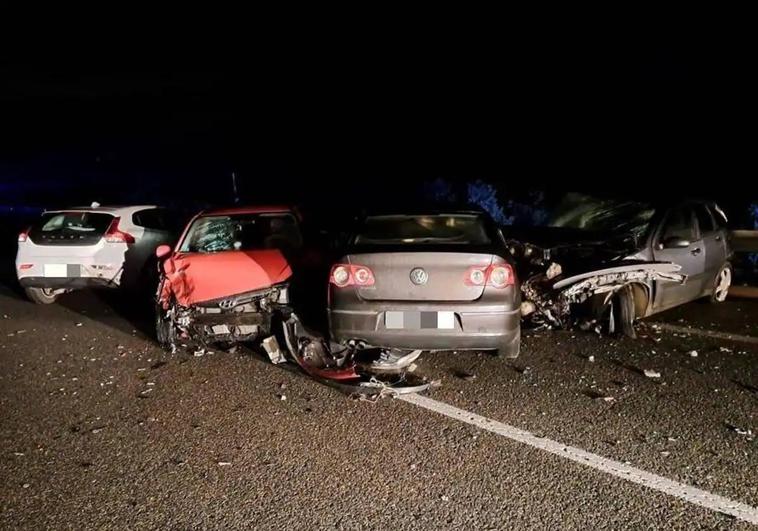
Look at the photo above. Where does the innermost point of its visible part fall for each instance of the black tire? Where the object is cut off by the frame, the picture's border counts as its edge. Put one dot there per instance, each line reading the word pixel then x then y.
pixel 721 284
pixel 41 295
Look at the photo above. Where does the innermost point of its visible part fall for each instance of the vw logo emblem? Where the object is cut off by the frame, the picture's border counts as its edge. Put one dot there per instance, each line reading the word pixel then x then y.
pixel 419 276
pixel 226 304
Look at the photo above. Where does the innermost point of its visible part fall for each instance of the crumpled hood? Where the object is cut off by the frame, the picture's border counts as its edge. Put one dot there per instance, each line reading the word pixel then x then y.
pixel 197 277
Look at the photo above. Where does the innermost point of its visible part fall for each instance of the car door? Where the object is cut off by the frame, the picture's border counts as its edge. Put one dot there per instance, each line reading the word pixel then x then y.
pixel 714 245
pixel 677 241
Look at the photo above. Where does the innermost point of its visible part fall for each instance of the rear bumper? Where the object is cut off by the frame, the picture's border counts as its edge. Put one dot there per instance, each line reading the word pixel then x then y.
pixel 66 283
pixel 477 327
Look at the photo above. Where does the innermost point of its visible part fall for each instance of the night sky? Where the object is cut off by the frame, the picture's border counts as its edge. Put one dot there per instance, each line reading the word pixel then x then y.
pixel 331 120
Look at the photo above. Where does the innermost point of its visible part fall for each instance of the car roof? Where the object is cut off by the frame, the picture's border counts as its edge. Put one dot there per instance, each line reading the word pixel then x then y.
pixel 422 210
pixel 105 209
pixel 257 209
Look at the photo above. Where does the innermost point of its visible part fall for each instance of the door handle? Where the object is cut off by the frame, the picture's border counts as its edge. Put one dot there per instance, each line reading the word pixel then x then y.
pixel 696 251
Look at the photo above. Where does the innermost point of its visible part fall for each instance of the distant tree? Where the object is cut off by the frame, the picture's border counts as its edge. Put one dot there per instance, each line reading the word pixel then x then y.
pixel 485 196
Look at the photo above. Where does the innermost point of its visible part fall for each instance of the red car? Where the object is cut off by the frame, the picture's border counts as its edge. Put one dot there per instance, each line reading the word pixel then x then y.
pixel 226 275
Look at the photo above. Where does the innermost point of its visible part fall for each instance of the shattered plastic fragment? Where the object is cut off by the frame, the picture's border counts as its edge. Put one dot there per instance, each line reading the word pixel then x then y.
pixel 553 271
pixel 275 354
pixel 692 353
pixel 651 373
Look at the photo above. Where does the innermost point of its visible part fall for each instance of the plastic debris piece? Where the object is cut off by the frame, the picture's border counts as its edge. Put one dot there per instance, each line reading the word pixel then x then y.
pixel 591 359
pixel 275 353
pixel 78 324
pixel 651 373
pixel 282 397
pixel 553 271
pixel 224 463
pixel 725 349
pixel 692 353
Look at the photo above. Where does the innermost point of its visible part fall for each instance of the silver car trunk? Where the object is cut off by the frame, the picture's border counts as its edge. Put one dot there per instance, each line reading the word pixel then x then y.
pixel 443 277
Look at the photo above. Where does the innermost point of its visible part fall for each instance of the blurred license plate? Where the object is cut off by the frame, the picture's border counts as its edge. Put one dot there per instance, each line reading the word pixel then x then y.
pixel 62 270
pixel 419 320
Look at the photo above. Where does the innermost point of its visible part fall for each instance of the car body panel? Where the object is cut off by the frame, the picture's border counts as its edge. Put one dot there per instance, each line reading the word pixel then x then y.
pixel 445 274
pixel 193 277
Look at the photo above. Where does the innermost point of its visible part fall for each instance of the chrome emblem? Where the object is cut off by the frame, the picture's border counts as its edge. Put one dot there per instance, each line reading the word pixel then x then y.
pixel 227 304
pixel 419 276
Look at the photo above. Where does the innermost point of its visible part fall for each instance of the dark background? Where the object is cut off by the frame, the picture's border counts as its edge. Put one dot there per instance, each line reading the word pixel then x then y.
pixel 343 120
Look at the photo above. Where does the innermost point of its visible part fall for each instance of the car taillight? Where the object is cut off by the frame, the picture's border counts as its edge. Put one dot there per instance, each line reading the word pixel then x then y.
pixel 500 276
pixel 23 236
pixel 115 235
pixel 344 275
pixel 497 276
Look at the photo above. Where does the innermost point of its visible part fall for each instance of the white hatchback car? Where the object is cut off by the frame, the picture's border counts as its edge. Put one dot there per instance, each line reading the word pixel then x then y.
pixel 93 246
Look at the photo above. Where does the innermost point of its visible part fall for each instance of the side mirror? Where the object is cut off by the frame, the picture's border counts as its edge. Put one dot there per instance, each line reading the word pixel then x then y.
pixel 162 251
pixel 675 242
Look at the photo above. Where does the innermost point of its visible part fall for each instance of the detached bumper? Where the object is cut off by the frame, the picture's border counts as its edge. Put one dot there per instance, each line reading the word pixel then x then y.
pixel 475 327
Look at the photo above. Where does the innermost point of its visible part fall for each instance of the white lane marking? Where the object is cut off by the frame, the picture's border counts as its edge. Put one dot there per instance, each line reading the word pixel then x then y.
pixel 706 333
pixel 615 468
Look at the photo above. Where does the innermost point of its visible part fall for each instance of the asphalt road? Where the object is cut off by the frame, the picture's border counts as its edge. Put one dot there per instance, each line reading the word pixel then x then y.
pixel 102 429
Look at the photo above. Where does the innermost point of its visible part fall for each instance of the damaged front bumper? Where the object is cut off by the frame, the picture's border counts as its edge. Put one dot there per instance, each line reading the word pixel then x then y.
pixel 608 298
pixel 238 318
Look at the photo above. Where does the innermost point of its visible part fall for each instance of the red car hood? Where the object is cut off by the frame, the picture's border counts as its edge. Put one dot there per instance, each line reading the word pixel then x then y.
pixel 196 277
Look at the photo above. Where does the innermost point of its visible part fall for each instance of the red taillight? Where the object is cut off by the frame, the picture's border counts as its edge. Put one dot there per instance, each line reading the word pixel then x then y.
pixel 115 235
pixel 23 236
pixel 496 275
pixel 343 275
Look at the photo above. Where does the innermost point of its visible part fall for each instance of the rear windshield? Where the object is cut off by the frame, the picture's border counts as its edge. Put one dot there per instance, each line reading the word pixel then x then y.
pixel 414 229
pixel 70 227
pixel 242 232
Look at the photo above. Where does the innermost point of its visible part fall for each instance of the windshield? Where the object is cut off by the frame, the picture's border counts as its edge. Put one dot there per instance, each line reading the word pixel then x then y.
pixel 414 229
pixel 583 212
pixel 242 232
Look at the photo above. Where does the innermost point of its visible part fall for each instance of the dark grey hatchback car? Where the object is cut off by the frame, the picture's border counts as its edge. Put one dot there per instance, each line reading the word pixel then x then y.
pixel 587 233
pixel 426 280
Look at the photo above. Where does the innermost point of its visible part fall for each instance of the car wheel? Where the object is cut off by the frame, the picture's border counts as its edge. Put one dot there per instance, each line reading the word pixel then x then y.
pixel 165 330
pixel 42 295
pixel 722 283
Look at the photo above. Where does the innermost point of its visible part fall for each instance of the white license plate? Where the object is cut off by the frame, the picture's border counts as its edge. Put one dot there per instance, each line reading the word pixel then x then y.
pixel 419 320
pixel 56 270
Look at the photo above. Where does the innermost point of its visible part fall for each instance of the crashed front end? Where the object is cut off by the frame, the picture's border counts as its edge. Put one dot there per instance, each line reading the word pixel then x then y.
pixel 238 318
pixel 605 295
